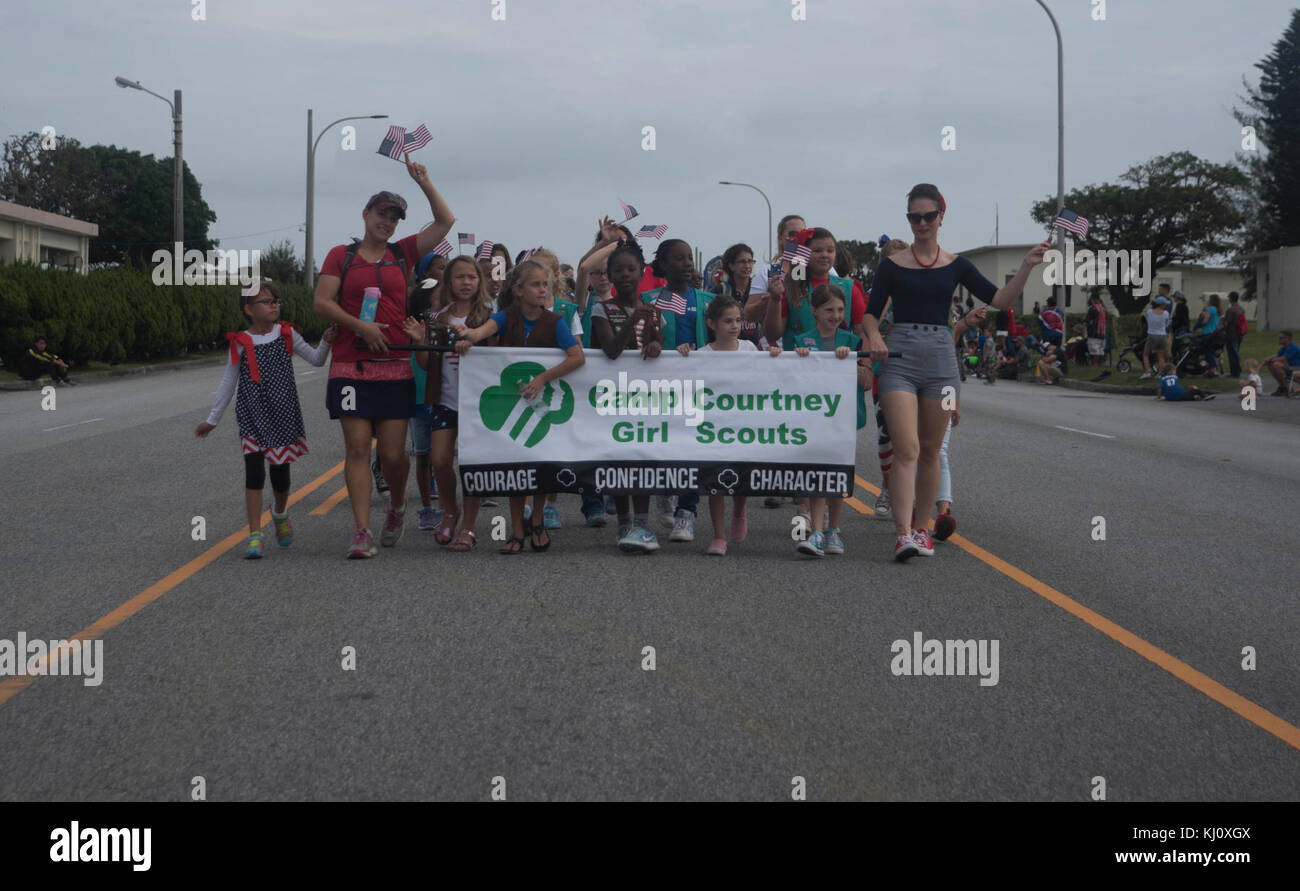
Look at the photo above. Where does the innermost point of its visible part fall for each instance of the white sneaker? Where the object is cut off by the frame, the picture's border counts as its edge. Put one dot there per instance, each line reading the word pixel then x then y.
pixel 883 508
pixel 664 506
pixel 683 527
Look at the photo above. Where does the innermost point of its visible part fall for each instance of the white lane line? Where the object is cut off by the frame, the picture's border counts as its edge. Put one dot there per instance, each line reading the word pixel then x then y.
pixel 66 426
pixel 1084 432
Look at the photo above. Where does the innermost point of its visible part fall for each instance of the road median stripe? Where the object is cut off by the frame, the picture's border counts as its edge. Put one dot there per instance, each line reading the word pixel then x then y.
pixel 1198 680
pixel 11 687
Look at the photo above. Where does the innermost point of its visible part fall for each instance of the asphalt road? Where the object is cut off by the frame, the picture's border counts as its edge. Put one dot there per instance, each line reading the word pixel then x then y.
pixel 1119 658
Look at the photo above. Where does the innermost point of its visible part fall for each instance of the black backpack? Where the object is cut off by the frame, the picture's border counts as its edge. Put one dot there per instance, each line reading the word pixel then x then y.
pixel 350 256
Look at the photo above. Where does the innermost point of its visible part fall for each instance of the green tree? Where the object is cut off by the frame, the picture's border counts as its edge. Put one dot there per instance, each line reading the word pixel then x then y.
pixel 865 254
pixel 1273 111
pixel 1182 208
pixel 127 194
pixel 280 262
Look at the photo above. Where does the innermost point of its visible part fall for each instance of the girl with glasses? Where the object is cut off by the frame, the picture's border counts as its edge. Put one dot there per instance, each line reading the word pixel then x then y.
pixel 266 406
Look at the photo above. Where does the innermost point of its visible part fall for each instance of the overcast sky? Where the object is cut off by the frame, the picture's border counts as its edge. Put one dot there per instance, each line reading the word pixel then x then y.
pixel 537 119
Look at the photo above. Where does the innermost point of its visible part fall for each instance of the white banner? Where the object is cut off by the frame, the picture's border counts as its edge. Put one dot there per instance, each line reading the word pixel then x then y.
pixel 712 423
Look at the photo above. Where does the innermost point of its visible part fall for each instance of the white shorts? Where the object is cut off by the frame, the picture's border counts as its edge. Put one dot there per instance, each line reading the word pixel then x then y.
pixel 1096 346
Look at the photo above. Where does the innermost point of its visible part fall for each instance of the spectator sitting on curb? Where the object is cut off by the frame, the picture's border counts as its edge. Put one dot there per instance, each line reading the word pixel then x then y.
pixel 1285 365
pixel 1251 376
pixel 1049 367
pixel 39 361
pixel 1172 391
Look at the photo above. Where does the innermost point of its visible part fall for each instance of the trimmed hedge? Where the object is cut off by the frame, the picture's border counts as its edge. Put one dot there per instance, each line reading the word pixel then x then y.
pixel 119 315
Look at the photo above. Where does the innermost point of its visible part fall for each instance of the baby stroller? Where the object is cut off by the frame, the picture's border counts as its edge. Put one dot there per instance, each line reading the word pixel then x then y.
pixel 1188 354
pixel 1130 354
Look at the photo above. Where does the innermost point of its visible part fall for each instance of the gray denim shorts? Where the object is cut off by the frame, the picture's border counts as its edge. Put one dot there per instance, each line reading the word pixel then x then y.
pixel 928 363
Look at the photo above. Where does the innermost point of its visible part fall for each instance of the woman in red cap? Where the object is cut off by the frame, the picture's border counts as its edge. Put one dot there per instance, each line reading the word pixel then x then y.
pixel 371 390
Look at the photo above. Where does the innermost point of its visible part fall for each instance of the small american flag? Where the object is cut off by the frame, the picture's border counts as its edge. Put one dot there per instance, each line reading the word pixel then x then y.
pixel 444 248
pixel 652 232
pixel 392 143
pixel 485 250
pixel 628 210
pixel 796 253
pixel 1071 222
pixel 674 303
pixel 528 254
pixel 417 139
pixel 465 238
pixel 398 141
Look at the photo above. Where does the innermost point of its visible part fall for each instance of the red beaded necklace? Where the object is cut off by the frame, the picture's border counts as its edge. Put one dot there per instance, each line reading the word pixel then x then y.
pixel 926 265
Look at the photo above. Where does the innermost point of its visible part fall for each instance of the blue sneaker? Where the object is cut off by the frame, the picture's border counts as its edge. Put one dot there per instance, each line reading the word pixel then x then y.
pixel 550 516
pixel 596 516
pixel 255 546
pixel 834 544
pixel 814 545
pixel 639 540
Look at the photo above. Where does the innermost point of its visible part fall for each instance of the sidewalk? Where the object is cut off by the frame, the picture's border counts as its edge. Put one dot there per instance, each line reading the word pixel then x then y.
pixel 111 373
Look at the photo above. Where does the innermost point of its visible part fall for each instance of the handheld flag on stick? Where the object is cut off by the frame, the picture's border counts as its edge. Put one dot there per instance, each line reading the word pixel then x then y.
pixel 485 250
pixel 798 254
pixel 652 232
pixel 444 248
pixel 398 142
pixel 1071 222
pixel 528 254
pixel 465 238
pixel 628 210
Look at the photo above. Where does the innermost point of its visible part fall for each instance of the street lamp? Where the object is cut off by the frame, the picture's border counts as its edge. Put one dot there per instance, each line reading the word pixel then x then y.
pixel 723 182
pixel 309 264
pixel 1060 152
pixel 178 165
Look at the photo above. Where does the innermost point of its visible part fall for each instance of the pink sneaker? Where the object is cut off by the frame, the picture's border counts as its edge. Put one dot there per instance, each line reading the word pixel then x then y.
pixel 739 527
pixel 394 526
pixel 924 546
pixel 905 548
pixel 718 548
pixel 363 545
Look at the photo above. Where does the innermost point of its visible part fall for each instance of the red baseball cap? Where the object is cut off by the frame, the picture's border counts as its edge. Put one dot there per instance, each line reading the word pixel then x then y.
pixel 381 201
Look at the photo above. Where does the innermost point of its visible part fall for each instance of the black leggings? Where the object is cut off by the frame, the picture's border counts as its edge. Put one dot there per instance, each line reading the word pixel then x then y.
pixel 255 473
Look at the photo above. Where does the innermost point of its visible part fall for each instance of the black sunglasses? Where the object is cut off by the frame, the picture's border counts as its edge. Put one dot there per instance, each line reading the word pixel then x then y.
pixel 930 217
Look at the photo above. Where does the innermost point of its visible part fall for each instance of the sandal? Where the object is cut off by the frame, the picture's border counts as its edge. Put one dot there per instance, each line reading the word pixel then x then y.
pixel 539 530
pixel 462 544
pixel 447 528
pixel 513 546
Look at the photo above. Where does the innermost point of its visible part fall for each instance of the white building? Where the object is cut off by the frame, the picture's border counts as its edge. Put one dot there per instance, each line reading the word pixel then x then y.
pixel 1277 285
pixel 28 235
pixel 999 264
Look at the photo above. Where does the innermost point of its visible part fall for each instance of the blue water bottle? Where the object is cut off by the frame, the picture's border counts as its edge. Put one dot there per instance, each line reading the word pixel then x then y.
pixel 369 304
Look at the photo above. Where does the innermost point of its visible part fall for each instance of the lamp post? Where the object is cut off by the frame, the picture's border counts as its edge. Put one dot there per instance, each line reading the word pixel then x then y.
pixel 723 182
pixel 309 264
pixel 178 164
pixel 1060 153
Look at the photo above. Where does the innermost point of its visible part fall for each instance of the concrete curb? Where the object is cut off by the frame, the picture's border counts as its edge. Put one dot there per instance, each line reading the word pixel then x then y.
pixel 1122 389
pixel 92 376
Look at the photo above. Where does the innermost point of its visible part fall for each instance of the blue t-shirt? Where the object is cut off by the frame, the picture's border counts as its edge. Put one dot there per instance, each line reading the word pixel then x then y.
pixel 1170 388
pixel 563 336
pixel 1211 321
pixel 1292 353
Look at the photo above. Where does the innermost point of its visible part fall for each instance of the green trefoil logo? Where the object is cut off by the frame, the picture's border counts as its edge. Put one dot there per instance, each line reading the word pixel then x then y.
pixel 503 408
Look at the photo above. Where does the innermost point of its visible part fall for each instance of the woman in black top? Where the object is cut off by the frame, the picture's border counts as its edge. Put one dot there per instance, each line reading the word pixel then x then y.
pixel 913 387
